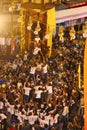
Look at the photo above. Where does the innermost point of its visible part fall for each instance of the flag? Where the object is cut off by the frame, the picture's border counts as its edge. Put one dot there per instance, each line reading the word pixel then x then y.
pixel 79 68
pixel 51 18
pixel 79 76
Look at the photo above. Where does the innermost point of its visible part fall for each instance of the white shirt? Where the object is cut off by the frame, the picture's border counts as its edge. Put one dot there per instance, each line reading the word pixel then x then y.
pixel 25 57
pixel 11 109
pixel 19 84
pixel 47 118
pixel 37 87
pixel 39 67
pixel 14 66
pixel 65 111
pixel 32 70
pixel 34 118
pixel 20 118
pixel 3 116
pixel 27 90
pixel 42 122
pixel 49 89
pixel 45 68
pixel 36 50
pixel 2 41
pixel 30 120
pixel 1 105
pixel 38 93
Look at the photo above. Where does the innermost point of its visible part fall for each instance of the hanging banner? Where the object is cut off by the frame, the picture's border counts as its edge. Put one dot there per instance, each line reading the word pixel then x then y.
pixel 71 14
pixel 51 23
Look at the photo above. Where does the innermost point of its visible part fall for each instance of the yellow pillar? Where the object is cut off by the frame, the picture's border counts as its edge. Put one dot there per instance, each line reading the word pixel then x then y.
pixel 51 23
pixel 79 75
pixel 85 86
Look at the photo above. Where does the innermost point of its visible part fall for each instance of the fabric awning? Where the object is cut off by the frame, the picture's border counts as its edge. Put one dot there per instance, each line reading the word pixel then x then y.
pixel 71 14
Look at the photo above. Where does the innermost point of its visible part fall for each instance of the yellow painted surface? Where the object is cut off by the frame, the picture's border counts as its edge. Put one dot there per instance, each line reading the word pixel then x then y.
pixel 25 0
pixel 51 23
pixel 79 76
pixel 85 86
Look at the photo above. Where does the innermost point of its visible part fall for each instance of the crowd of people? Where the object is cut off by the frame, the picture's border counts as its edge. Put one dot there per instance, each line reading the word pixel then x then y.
pixel 39 92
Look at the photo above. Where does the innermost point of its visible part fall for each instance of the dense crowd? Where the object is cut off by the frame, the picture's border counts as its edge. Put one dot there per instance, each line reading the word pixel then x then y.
pixel 39 92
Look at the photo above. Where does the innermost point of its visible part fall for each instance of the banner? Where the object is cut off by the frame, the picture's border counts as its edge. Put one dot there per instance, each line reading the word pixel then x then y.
pixel 79 76
pixel 71 14
pixel 51 24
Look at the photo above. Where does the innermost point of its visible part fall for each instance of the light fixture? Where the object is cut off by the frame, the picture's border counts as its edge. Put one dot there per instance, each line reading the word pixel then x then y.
pixel 84 35
pixel 37 38
pixel 36 32
pixel 61 33
pixel 72 33
pixel 10 9
pixel 47 36
pixel 47 33
pixel 21 18
pixel 85 30
pixel 38 28
pixel 29 27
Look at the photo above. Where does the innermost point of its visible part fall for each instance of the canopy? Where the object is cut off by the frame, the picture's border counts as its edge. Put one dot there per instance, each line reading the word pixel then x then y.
pixel 71 14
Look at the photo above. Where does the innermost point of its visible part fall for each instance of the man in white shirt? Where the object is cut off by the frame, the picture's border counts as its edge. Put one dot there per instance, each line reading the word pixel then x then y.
pixel 1 105
pixel 45 70
pixel 38 96
pixel 25 56
pixel 39 68
pixel 32 73
pixel 26 93
pixel 65 112
pixel 19 84
pixel 50 92
pixel 36 50
pixel 2 116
